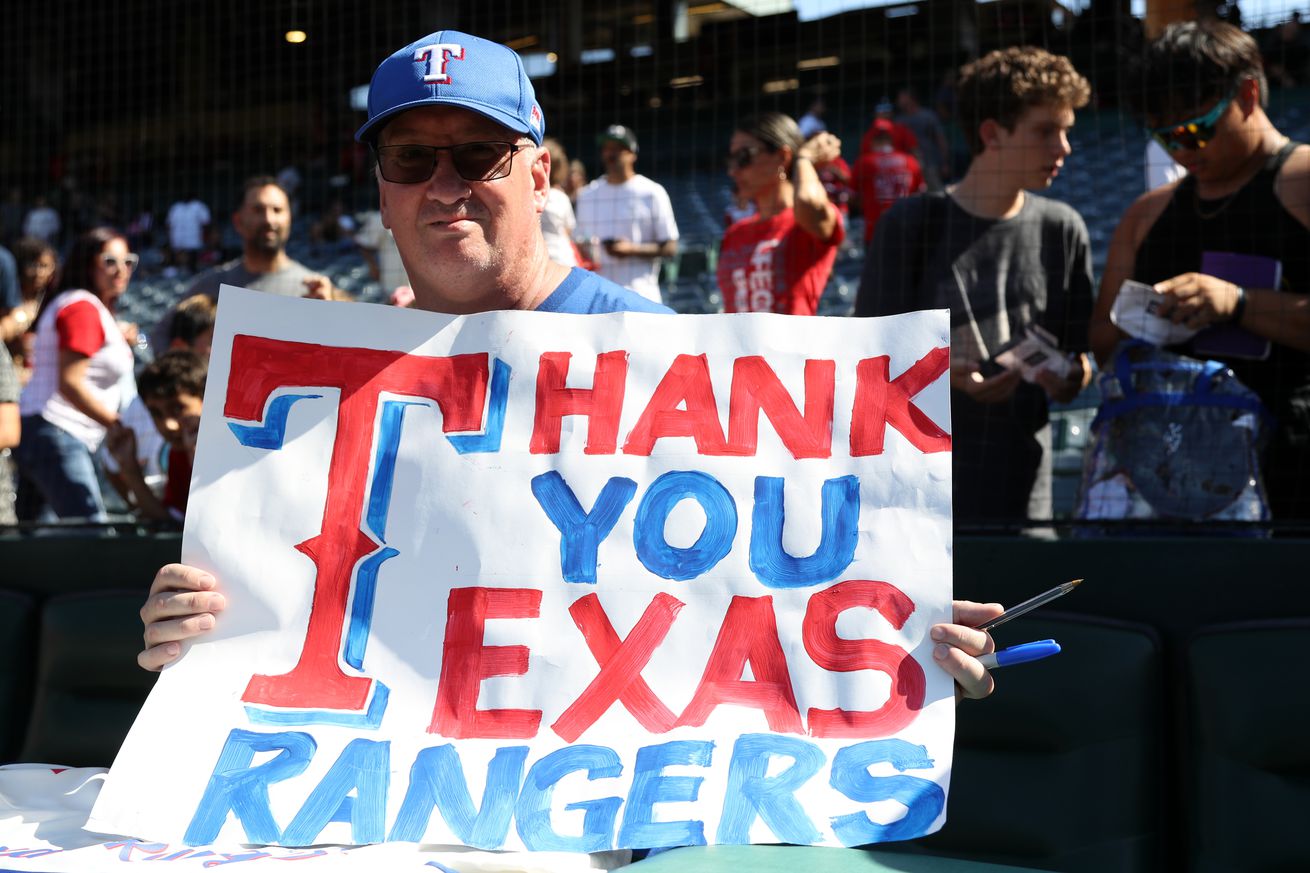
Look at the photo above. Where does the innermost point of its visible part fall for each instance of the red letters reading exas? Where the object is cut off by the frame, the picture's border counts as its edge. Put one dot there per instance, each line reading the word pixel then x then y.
pixel 748 636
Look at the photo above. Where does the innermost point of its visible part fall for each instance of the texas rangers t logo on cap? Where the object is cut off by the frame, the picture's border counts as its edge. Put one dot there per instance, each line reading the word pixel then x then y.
pixel 443 53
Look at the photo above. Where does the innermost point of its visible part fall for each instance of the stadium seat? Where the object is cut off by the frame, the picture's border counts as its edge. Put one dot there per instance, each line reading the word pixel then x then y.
pixel 17 622
pixel 1251 761
pixel 1064 767
pixel 88 686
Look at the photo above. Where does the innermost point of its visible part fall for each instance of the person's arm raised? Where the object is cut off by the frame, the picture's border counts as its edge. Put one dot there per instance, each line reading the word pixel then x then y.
pixel 814 211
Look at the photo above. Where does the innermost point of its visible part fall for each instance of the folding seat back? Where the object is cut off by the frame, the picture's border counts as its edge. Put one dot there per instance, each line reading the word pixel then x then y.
pixel 1064 767
pixel 17 621
pixel 88 685
pixel 1248 721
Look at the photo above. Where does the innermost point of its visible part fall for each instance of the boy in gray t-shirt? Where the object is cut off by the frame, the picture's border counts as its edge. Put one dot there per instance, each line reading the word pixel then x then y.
pixel 1000 259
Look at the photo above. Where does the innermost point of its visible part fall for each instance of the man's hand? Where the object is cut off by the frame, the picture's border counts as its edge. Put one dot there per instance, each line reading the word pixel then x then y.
pixel 1066 389
pixel 182 605
pixel 321 288
pixel 1197 300
pixel 403 296
pixel 958 645
pixel 985 389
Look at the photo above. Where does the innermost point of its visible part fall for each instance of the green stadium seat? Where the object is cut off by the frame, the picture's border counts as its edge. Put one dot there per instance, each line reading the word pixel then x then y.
pixel 17 632
pixel 88 685
pixel 1250 756
pixel 1064 767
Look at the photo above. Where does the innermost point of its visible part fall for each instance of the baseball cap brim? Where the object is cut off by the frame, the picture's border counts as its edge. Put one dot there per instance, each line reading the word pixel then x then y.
pixel 371 128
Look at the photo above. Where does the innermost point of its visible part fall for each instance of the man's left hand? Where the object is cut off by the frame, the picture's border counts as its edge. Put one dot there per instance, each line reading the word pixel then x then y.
pixel 321 288
pixel 1197 300
pixel 957 646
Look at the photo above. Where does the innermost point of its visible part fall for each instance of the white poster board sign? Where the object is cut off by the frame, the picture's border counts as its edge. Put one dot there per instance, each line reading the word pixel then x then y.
pixel 559 583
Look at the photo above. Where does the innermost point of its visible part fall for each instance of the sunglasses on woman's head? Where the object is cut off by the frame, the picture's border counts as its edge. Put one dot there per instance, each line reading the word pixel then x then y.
pixel 473 161
pixel 115 262
pixel 1195 133
pixel 743 157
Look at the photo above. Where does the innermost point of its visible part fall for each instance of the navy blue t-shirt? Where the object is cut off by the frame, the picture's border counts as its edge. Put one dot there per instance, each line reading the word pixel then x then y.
pixel 584 293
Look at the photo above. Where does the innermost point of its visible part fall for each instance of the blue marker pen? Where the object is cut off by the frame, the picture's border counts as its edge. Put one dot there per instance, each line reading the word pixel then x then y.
pixel 1020 654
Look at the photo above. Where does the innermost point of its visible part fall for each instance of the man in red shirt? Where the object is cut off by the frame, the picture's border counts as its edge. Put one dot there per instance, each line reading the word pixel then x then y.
pixel 884 175
pixel 903 139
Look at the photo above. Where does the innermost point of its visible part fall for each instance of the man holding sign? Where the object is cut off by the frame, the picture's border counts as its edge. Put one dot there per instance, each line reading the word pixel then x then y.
pixel 462 180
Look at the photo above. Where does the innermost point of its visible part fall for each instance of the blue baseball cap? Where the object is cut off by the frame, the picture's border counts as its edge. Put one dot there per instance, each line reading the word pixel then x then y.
pixel 449 68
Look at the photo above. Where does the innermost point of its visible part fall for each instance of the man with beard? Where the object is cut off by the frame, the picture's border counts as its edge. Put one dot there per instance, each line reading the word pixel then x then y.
pixel 263 221
pixel 628 217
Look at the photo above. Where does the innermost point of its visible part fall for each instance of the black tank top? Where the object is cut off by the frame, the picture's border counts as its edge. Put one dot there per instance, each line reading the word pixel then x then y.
pixel 1252 222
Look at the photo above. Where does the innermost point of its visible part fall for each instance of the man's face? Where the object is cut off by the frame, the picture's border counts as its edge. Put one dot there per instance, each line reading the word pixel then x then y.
pixel 464 244
pixel 1035 150
pixel 177 419
pixel 1221 152
pixel 264 220
pixel 38 273
pixel 617 157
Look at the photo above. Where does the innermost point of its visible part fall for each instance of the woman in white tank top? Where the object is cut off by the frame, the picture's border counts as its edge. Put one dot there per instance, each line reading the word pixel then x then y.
pixel 80 360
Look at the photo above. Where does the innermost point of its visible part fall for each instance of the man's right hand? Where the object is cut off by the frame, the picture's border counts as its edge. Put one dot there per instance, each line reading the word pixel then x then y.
pixel 182 605
pixel 985 389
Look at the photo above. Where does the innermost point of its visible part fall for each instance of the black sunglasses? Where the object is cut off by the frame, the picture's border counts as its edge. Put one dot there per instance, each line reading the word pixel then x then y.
pixel 474 161
pixel 743 157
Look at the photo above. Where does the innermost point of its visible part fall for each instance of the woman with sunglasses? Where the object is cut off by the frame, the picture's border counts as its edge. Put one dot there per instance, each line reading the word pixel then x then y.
pixel 80 360
pixel 779 260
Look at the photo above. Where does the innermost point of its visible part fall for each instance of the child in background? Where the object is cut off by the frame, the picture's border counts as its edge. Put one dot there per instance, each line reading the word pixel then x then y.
pixel 193 325
pixel 173 390
pixel 192 328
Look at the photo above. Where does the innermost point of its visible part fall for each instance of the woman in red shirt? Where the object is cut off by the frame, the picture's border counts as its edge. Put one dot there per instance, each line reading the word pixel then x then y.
pixel 80 361
pixel 779 260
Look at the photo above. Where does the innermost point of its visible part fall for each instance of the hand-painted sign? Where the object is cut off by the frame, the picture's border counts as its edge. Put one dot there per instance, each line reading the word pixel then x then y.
pixel 524 580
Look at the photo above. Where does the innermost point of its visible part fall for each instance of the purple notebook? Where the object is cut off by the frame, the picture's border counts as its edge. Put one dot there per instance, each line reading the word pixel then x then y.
pixel 1249 271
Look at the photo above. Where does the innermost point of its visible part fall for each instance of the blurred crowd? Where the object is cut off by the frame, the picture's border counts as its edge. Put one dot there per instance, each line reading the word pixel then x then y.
pixel 97 412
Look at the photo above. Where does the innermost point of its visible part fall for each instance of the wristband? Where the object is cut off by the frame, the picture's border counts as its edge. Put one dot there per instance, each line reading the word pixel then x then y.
pixel 1239 308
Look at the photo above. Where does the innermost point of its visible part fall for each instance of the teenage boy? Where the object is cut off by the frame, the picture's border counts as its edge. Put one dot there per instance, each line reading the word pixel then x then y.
pixel 1001 259
pixel 173 389
pixel 1246 196
pixel 191 327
